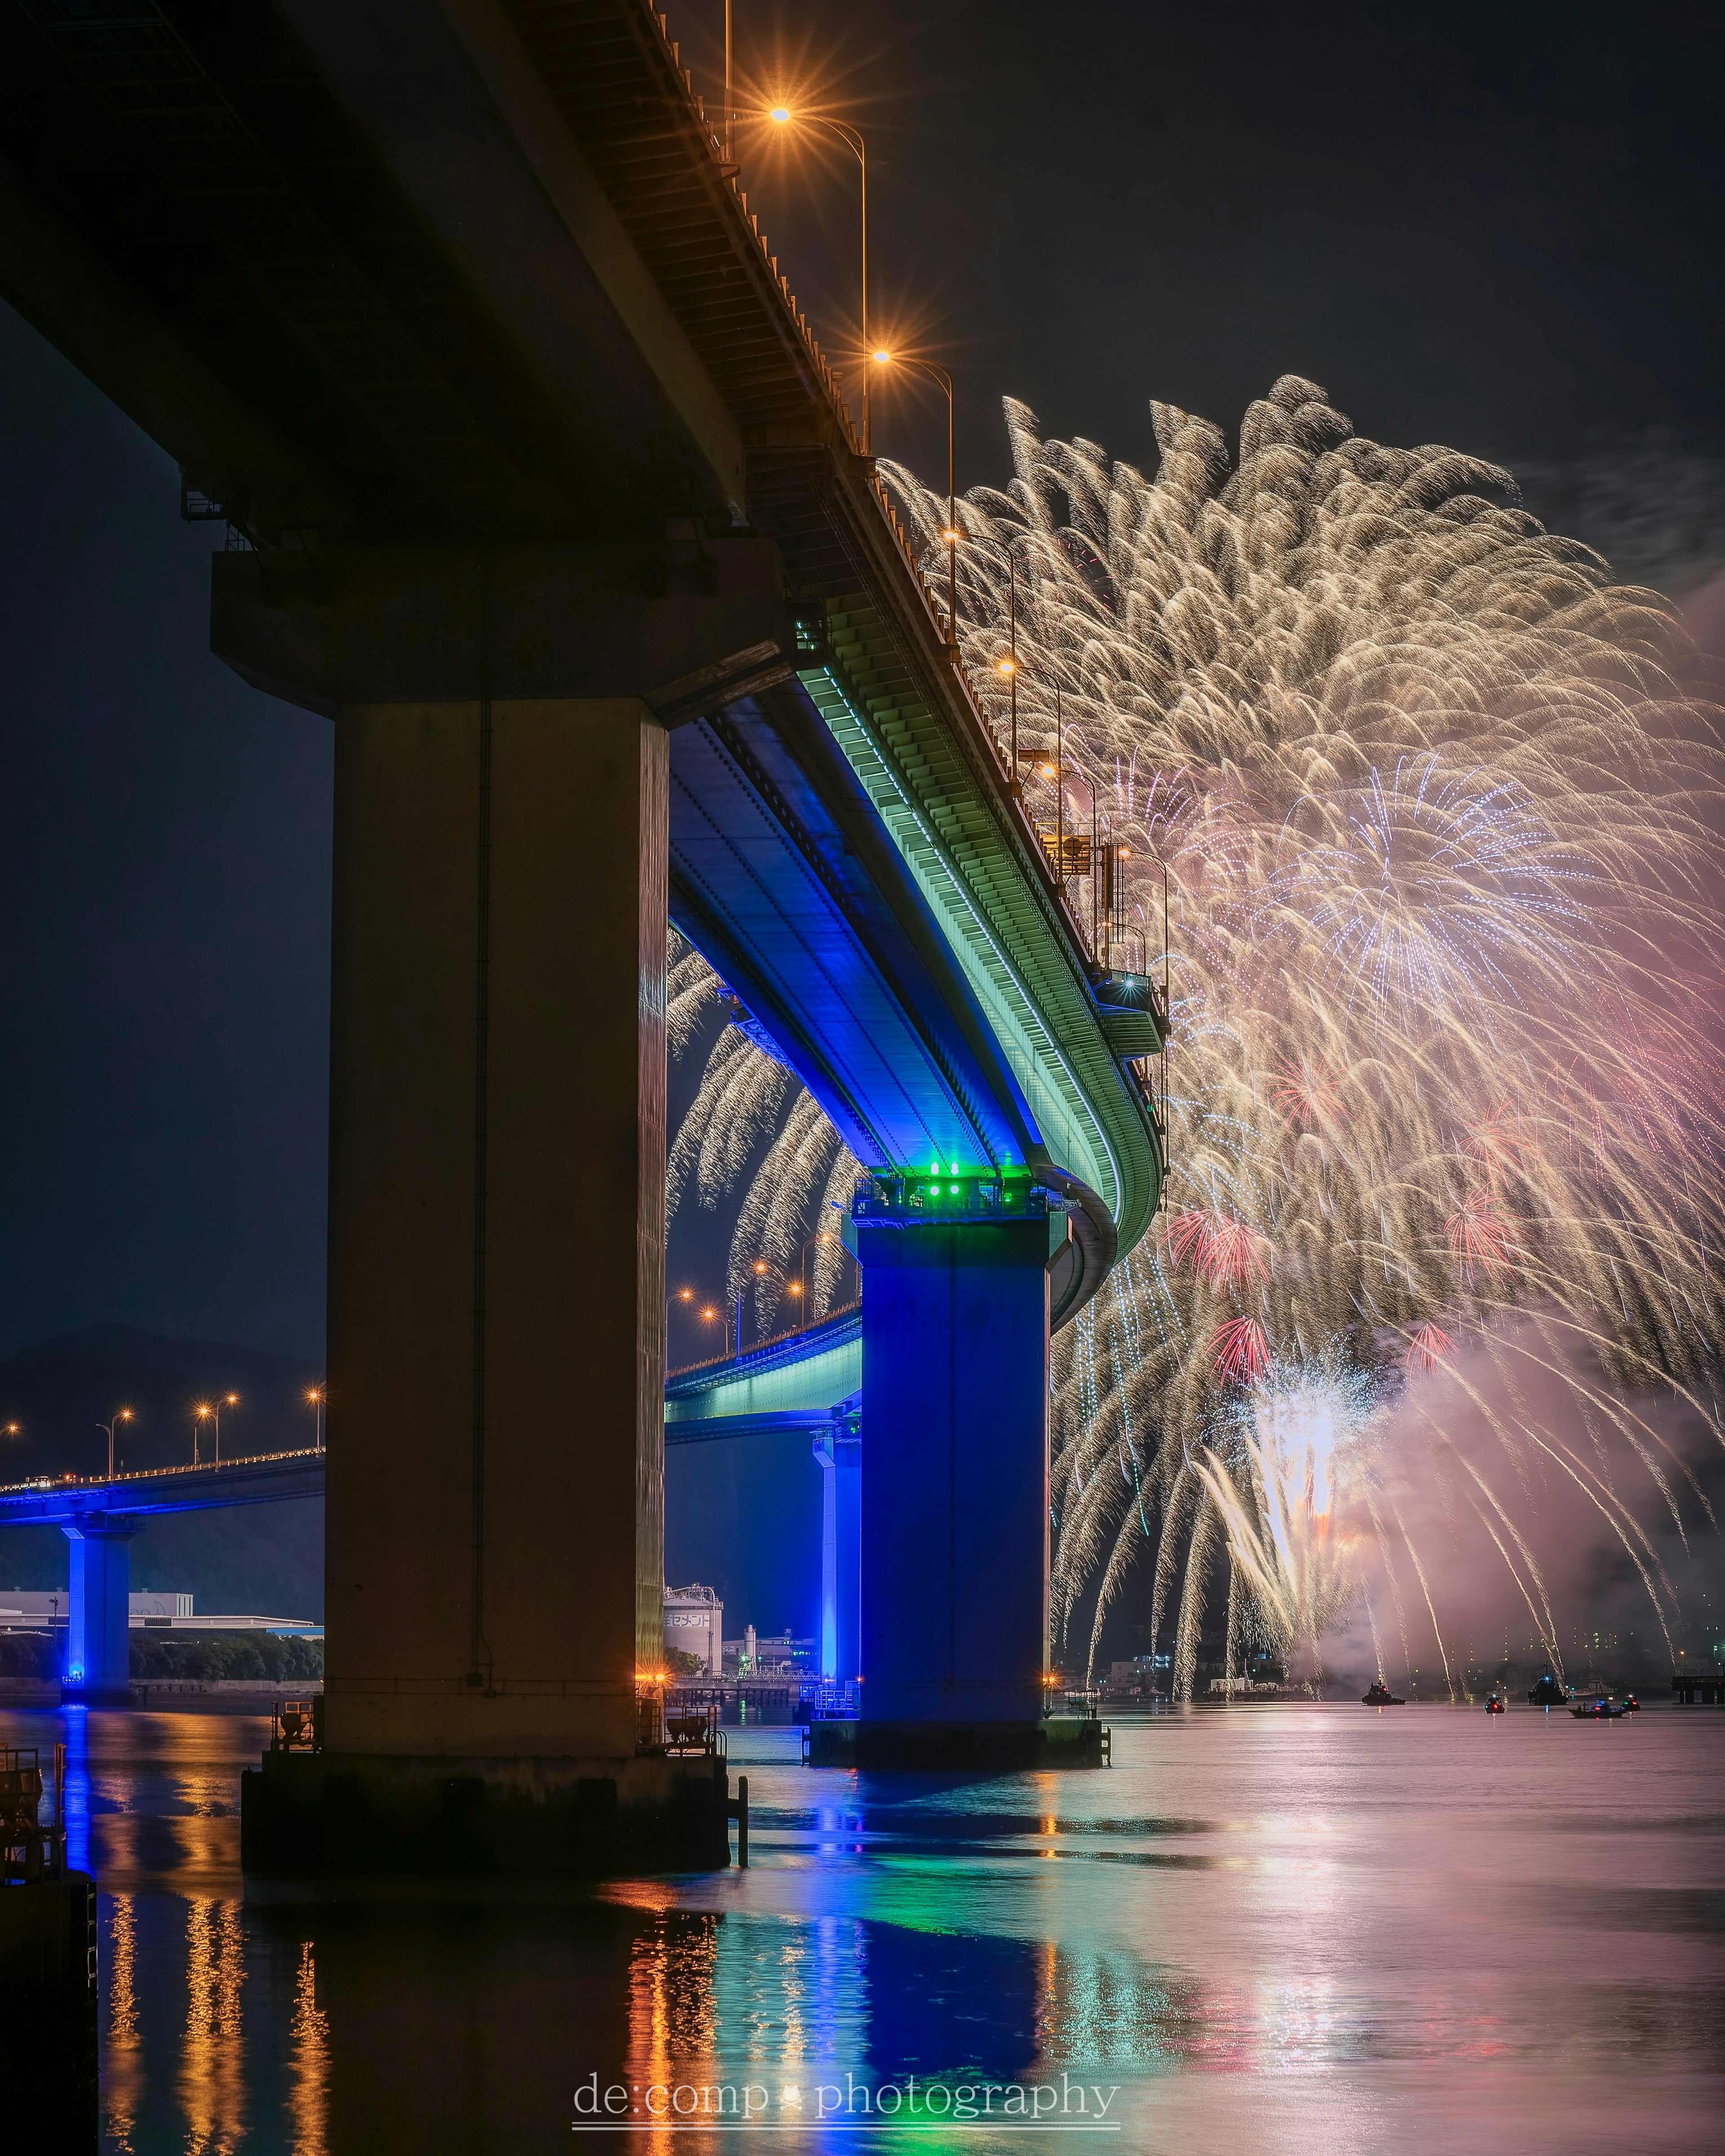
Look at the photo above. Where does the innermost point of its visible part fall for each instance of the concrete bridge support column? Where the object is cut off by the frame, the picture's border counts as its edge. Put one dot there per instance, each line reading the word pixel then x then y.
pixel 955 1509
pixel 838 1451
pixel 497 1106
pixel 955 1524
pixel 496 1255
pixel 98 1665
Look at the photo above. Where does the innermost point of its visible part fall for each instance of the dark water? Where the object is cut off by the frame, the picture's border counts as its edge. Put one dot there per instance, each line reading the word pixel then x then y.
pixel 1267 1929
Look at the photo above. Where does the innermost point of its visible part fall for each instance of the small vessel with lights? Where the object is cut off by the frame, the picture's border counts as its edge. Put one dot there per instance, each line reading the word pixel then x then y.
pixel 1380 1695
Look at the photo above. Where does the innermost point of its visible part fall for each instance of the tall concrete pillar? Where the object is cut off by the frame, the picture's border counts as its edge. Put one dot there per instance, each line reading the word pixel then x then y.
pixel 838 1452
pixel 955 1500
pixel 494 1432
pixel 98 1664
pixel 497 1198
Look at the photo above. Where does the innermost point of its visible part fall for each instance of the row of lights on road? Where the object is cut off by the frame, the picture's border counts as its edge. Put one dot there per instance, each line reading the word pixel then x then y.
pixel 882 356
pixel 204 1412
pixel 782 114
pixel 710 1313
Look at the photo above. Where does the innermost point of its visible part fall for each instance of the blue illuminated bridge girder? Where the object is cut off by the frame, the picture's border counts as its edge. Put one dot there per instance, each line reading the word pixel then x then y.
pixel 805 1382
pixel 855 868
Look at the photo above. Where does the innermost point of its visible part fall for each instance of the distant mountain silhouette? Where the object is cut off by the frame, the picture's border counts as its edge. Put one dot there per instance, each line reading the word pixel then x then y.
pixel 266 1558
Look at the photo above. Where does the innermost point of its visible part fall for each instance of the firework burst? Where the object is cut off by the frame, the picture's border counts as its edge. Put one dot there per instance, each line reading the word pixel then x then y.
pixel 1439 807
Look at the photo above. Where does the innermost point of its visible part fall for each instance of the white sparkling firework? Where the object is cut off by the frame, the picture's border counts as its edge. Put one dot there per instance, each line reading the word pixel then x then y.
pixel 1440 809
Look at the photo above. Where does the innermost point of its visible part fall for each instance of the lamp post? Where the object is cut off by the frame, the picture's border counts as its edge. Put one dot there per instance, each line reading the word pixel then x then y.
pixel 121 1416
pixel 207 1411
pixel 782 117
pixel 315 1395
pixel 951 534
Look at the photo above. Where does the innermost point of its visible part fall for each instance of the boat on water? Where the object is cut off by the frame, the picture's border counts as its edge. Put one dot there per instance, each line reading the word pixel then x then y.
pixel 1495 1703
pixel 1598 1708
pixel 1380 1695
pixel 1548 1692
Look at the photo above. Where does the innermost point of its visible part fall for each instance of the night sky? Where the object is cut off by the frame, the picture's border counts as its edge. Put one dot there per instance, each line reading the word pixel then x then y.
pixel 1495 227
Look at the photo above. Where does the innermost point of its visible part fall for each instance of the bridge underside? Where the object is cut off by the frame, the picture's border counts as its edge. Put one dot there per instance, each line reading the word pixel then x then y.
pixel 452 311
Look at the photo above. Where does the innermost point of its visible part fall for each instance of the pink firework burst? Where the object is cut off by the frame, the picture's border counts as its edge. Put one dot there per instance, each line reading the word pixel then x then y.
pixel 1239 1351
pixel 1500 1143
pixel 1478 1234
pixel 1430 1346
pixel 1223 1252
pixel 1307 1094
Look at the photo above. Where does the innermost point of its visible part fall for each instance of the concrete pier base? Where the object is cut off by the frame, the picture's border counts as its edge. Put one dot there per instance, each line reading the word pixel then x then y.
pixel 48 2010
pixel 988 1747
pixel 327 1813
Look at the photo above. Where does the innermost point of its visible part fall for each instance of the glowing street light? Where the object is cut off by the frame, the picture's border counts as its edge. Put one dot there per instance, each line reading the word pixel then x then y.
pixel 316 1396
pixel 121 1416
pixel 211 1412
pixel 951 534
pixel 782 116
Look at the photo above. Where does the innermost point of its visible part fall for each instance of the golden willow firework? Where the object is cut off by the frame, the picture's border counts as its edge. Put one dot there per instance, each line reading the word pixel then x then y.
pixel 1440 811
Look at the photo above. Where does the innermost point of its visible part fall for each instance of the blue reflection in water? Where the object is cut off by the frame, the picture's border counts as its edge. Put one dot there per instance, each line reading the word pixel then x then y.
pixel 73 1732
pixel 939 2003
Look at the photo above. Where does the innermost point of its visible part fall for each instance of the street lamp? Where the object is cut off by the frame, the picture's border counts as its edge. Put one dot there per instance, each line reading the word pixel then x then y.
pixel 207 1411
pixel 951 534
pixel 314 1397
pixel 782 117
pixel 121 1414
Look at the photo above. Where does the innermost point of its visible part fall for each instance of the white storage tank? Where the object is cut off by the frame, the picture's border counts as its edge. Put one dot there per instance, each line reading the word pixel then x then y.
pixel 694 1624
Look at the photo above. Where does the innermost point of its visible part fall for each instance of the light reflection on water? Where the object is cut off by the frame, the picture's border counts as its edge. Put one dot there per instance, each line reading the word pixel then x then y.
pixel 1272 1928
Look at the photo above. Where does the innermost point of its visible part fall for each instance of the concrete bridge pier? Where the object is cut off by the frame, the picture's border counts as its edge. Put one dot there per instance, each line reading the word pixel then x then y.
pixel 495 1353
pixel 955 1494
pixel 838 1453
pixel 98 1664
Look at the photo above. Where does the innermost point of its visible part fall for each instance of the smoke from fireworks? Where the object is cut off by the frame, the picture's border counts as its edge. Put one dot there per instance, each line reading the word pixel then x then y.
pixel 1440 810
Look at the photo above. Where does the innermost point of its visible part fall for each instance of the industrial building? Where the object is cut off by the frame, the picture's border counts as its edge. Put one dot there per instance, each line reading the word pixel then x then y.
pixel 694 1624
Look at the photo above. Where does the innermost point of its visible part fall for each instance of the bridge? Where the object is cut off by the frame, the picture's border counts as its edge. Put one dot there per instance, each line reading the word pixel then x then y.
pixel 785 1385
pixel 534 481
pixel 100 1516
